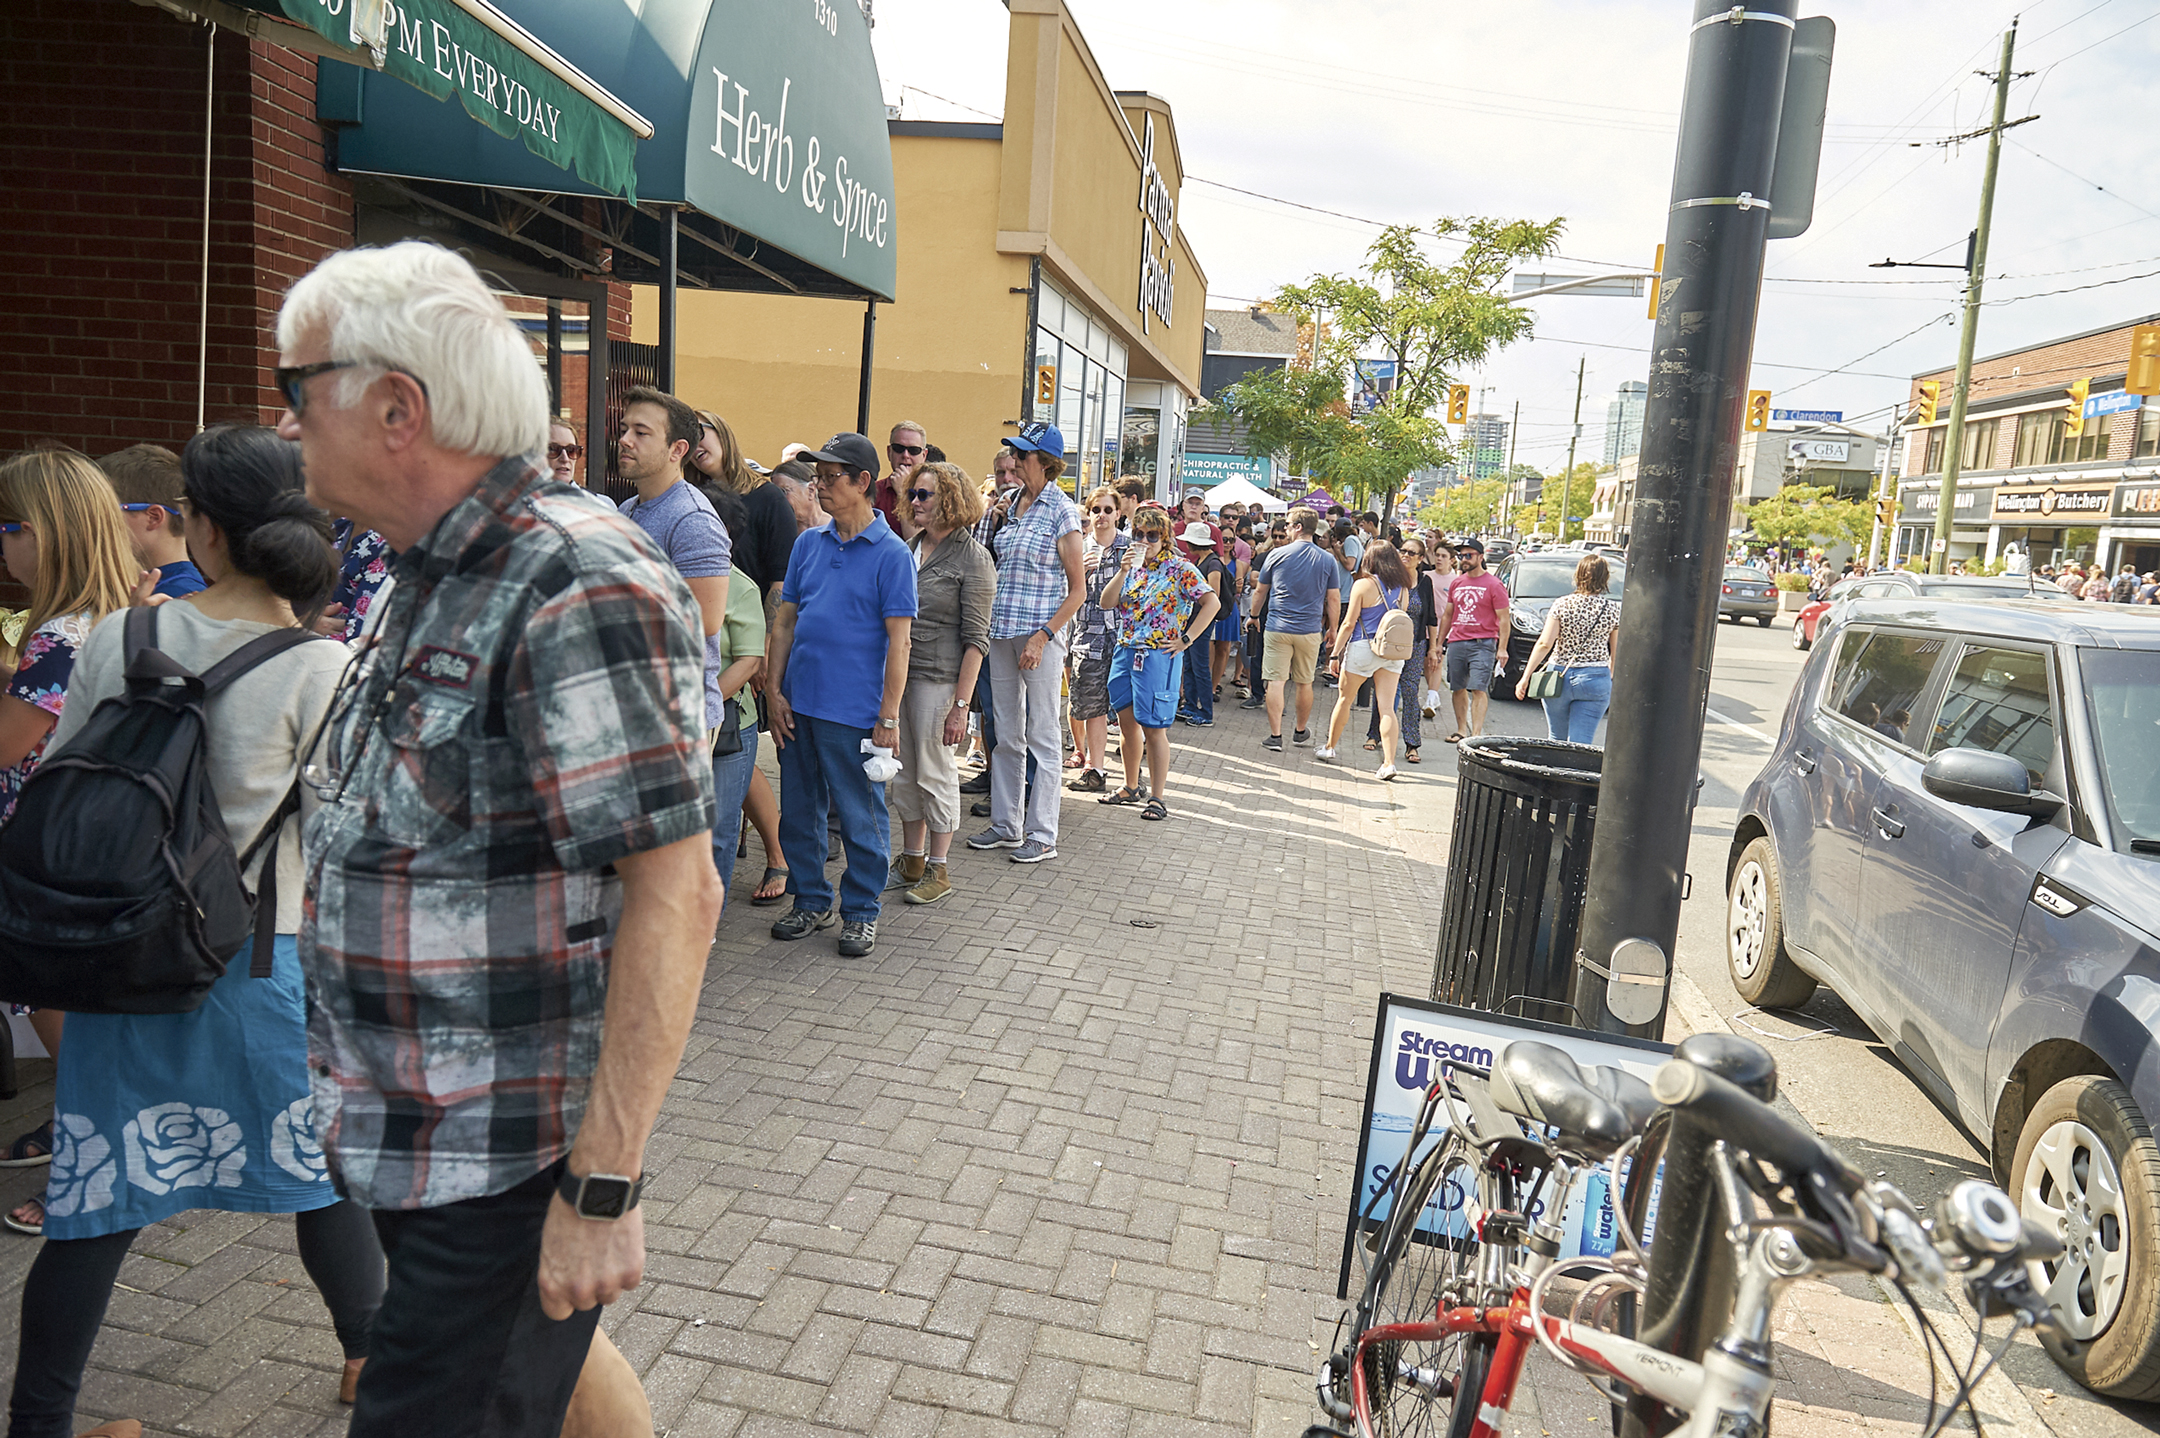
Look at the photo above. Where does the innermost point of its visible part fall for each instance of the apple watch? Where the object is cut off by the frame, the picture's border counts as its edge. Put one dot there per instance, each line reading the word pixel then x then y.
pixel 603 1197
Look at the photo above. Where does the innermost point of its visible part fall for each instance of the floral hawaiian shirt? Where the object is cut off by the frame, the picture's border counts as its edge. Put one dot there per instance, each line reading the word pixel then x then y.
pixel 1158 603
pixel 41 678
pixel 366 565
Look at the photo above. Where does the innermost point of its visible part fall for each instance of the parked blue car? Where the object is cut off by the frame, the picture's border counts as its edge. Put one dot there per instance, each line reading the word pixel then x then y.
pixel 1959 833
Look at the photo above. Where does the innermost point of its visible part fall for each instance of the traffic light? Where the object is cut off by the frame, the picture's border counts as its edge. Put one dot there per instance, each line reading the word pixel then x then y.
pixel 1886 512
pixel 1930 396
pixel 2144 360
pixel 1458 404
pixel 1758 409
pixel 2074 412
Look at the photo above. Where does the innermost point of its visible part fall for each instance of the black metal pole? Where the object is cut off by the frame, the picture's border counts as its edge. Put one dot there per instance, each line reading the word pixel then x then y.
pixel 1712 279
pixel 554 357
pixel 664 366
pixel 869 352
pixel 1688 1297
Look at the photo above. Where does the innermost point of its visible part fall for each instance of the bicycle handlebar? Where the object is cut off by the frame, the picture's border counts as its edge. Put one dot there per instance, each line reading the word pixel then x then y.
pixel 1748 1123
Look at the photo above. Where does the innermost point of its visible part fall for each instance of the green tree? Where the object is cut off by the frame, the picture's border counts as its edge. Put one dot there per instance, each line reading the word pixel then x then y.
pixel 1463 508
pixel 1435 321
pixel 1807 514
pixel 1579 494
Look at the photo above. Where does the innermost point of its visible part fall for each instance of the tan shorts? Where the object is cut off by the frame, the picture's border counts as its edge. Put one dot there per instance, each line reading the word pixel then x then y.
pixel 1295 657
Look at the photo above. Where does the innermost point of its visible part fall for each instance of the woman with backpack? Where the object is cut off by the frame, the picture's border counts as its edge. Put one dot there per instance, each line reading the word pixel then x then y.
pixel 161 1113
pixel 1376 637
pixel 1424 623
pixel 63 538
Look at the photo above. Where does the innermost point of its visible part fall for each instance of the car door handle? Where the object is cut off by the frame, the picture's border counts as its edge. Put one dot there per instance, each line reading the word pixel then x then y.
pixel 1803 763
pixel 1891 828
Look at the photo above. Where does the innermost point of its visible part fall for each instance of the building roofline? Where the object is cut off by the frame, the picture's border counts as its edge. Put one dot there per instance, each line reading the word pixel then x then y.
pixel 2041 345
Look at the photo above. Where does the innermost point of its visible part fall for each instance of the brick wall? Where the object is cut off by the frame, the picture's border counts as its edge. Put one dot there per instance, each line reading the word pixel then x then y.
pixel 101 249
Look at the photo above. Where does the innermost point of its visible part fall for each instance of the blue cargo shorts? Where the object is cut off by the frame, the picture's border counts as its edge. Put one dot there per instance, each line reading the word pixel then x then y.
pixel 1470 663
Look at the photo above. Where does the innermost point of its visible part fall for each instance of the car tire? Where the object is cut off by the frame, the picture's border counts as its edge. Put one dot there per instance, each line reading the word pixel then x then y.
pixel 1800 640
pixel 1763 620
pixel 1761 969
pixel 2080 1128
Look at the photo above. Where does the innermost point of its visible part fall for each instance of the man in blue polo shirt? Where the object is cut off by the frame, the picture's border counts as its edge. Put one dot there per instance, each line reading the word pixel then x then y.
pixel 835 669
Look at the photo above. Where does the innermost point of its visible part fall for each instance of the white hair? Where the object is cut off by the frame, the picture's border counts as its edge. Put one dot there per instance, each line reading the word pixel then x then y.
pixel 417 307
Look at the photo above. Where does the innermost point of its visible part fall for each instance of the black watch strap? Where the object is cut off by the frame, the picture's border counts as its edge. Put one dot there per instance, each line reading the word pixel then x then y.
pixel 600 1196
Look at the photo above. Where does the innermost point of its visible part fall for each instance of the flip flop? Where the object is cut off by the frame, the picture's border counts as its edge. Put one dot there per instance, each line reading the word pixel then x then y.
pixel 763 899
pixel 35 1228
pixel 1454 738
pixel 1410 755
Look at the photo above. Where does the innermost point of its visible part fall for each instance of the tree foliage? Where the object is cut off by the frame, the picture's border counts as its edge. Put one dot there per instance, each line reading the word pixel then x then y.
pixel 1463 508
pixel 1804 514
pixel 1434 320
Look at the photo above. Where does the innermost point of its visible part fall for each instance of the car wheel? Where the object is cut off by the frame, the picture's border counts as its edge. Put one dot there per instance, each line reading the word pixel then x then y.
pixel 1762 971
pixel 1763 620
pixel 2088 1172
pixel 1799 635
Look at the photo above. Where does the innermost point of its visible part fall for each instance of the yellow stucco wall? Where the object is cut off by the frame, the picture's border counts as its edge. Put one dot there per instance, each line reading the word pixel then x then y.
pixel 948 352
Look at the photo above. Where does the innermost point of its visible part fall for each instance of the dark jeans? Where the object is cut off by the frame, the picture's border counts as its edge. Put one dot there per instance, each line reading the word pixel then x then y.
pixel 821 768
pixel 461 1348
pixel 71 1282
pixel 1197 697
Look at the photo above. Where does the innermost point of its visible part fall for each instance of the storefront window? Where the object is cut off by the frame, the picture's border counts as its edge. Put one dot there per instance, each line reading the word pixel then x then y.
pixel 1113 429
pixel 2034 432
pixel 1091 447
pixel 1143 438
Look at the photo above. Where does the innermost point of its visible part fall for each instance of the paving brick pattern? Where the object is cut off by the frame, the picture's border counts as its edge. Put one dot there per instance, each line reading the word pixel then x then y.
pixel 1068 1154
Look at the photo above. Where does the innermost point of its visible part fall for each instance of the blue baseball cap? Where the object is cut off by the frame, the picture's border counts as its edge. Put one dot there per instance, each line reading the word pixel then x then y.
pixel 1040 437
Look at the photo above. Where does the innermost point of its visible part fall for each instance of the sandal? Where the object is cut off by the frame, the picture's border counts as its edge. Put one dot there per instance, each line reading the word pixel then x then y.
pixel 1124 794
pixel 1091 781
pixel 1076 760
pixel 35 1227
pixel 1371 744
pixel 1156 809
pixel 32 1149
pixel 1455 738
pixel 1410 756
pixel 760 897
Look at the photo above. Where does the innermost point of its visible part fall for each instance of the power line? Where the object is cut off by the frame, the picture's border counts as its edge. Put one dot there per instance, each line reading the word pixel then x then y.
pixel 2111 194
pixel 1841 369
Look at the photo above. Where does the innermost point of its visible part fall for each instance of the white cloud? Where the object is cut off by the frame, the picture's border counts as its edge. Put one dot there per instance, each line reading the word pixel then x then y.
pixel 1401 112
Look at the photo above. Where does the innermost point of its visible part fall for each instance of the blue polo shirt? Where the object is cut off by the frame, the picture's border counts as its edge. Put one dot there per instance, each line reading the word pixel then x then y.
pixel 179 579
pixel 1298 577
pixel 843 592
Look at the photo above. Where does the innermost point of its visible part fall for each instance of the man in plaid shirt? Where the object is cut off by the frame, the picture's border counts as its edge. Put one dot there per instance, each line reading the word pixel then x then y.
pixel 510 880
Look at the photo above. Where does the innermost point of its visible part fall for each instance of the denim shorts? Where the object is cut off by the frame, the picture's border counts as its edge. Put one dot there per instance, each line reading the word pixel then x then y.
pixel 1470 663
pixel 1146 681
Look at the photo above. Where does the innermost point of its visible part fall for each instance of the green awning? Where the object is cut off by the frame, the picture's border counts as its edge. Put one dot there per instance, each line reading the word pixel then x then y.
pixel 505 79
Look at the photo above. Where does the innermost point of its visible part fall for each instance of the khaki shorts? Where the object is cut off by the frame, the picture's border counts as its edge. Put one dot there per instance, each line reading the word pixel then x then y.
pixel 1295 657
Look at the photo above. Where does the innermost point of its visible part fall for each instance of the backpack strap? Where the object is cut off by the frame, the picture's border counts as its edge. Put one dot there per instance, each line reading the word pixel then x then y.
pixel 143 661
pixel 247 656
pixel 266 890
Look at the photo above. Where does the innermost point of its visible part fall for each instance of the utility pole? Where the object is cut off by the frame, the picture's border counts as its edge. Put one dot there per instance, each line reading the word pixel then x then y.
pixel 1507 494
pixel 1567 480
pixel 1718 223
pixel 1975 277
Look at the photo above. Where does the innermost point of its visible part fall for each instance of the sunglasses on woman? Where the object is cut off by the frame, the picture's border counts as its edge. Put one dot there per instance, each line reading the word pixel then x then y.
pixel 921 494
pixel 564 451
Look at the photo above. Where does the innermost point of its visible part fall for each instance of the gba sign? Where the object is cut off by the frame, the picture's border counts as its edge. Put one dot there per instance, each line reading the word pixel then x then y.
pixel 1158 209
pixel 1820 451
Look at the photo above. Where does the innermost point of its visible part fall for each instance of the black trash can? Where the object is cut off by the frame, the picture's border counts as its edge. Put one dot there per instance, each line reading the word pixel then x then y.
pixel 1518 872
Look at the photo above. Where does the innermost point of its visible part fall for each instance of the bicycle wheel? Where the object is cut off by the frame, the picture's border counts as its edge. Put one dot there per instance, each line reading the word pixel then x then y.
pixel 1415 1271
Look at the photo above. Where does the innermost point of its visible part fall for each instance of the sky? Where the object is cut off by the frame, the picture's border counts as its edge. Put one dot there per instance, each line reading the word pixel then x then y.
pixel 1398 113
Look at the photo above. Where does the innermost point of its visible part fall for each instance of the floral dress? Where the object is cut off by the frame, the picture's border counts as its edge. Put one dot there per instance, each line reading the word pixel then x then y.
pixel 48 658
pixel 366 565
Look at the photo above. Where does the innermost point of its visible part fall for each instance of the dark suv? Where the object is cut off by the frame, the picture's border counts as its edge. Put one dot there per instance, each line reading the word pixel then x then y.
pixel 1959 832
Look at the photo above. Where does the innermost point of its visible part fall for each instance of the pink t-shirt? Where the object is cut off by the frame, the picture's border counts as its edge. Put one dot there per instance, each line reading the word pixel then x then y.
pixel 1478 599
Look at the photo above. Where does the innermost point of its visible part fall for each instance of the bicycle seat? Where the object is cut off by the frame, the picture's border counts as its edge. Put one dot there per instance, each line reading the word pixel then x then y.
pixel 1595 1112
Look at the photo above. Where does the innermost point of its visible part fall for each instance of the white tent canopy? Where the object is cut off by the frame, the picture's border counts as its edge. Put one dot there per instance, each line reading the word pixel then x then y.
pixel 1244 491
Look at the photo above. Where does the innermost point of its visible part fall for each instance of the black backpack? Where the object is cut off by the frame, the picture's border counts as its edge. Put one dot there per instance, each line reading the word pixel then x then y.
pixel 120 891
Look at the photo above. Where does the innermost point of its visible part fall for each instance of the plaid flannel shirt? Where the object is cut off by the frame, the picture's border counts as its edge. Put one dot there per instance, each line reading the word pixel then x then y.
pixel 526 709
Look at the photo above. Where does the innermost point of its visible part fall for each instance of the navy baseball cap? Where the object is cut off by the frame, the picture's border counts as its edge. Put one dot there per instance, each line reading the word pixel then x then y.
pixel 1041 437
pixel 858 454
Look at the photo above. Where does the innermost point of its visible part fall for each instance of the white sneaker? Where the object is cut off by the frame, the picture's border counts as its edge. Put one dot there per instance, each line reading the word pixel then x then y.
pixel 1387 771
pixel 1325 756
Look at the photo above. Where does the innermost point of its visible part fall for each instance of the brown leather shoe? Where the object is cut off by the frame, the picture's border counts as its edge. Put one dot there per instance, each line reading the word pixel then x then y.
pixel 349 1385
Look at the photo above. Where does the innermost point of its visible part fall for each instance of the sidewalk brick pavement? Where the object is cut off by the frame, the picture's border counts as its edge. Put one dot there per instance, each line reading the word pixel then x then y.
pixel 1068 1154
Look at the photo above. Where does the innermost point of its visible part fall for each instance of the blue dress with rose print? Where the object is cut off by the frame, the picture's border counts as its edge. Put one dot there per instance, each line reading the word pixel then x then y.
pixel 207 1110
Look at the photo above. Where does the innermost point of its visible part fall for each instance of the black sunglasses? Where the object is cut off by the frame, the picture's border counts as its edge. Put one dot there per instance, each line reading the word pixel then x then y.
pixel 291 380
pixel 905 448
pixel 1102 509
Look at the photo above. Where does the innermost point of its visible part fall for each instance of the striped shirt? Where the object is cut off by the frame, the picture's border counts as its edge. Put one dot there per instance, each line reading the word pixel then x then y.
pixel 525 710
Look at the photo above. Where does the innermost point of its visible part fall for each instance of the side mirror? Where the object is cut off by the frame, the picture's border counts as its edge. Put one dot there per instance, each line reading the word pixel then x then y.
pixel 1981 780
